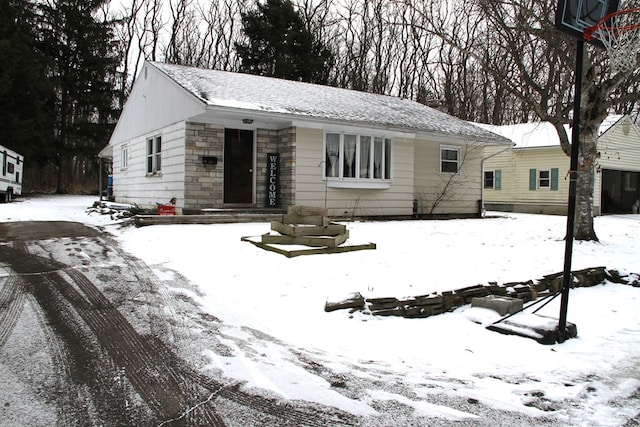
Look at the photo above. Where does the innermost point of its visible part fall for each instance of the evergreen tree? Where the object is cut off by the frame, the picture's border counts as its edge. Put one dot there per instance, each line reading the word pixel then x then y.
pixel 25 93
pixel 279 45
pixel 82 69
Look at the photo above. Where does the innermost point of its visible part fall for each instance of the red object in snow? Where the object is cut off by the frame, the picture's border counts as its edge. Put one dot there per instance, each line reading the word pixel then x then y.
pixel 165 210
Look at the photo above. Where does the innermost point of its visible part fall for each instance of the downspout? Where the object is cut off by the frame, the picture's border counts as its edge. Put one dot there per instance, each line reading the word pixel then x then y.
pixel 484 159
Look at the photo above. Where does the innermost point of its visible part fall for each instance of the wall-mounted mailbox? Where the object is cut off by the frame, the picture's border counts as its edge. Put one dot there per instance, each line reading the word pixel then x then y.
pixel 209 160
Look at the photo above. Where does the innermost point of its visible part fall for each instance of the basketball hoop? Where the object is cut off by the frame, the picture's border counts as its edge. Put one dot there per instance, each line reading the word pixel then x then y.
pixel 619 32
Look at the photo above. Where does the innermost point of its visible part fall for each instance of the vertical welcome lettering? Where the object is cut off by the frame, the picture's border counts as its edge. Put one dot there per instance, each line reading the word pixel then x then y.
pixel 273 166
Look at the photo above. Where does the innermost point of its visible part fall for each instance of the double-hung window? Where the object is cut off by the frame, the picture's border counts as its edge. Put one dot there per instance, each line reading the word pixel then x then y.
pixel 356 157
pixel 154 155
pixel 544 178
pixel 449 159
pixel 493 180
pixel 489 180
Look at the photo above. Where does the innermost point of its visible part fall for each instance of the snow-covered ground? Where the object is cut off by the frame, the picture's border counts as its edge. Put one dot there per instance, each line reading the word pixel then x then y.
pixel 591 380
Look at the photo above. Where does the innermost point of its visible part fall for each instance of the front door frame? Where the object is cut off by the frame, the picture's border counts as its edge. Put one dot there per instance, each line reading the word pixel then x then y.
pixel 239 178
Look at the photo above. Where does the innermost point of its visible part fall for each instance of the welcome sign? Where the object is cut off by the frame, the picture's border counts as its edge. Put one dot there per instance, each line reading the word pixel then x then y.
pixel 273 166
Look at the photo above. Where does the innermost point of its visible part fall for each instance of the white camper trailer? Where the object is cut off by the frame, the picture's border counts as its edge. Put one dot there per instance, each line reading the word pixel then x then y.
pixel 11 174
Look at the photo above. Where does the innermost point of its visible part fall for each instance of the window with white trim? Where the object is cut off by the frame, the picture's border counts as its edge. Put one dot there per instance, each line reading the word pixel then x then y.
pixel 544 178
pixel 124 156
pixel 449 159
pixel 154 155
pixel 489 180
pixel 364 158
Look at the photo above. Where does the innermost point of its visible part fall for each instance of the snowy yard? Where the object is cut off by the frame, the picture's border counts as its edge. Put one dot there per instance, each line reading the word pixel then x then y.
pixel 274 306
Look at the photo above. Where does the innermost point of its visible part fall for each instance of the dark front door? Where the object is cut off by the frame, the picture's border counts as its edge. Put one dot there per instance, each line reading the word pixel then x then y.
pixel 238 166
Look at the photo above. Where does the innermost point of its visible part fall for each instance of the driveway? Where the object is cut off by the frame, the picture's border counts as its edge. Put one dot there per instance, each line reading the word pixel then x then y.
pixel 90 336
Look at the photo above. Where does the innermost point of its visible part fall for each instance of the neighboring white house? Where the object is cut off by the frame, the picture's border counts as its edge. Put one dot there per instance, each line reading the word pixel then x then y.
pixel 215 139
pixel 11 174
pixel 533 176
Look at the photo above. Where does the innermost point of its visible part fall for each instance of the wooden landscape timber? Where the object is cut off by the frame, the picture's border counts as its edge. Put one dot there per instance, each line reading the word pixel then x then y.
pixel 290 253
pixel 441 302
pixel 217 218
pixel 296 230
pixel 310 228
pixel 314 241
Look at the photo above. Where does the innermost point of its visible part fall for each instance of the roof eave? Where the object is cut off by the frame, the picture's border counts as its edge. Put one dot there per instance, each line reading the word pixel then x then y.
pixel 294 119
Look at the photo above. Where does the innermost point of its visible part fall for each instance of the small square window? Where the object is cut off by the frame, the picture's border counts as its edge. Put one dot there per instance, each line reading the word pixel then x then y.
pixel 449 159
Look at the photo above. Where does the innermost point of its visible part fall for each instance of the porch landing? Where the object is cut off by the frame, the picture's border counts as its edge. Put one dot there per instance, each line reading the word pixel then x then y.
pixel 213 216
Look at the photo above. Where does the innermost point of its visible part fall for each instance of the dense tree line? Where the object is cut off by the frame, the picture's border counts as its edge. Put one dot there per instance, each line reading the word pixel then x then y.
pixel 59 61
pixel 69 65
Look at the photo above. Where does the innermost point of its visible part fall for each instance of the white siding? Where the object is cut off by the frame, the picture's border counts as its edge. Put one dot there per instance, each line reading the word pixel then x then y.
pixel 155 102
pixel 133 185
pixel 619 150
pixel 515 166
pixel 444 193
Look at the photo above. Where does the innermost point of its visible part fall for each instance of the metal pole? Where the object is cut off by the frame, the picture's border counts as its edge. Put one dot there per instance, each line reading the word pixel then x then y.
pixel 100 177
pixel 571 208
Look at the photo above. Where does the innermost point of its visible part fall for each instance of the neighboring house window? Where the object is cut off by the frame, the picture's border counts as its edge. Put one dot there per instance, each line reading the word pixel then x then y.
pixel 358 157
pixel 10 168
pixel 493 180
pixel 124 157
pixel 449 159
pixel 543 179
pixel 154 155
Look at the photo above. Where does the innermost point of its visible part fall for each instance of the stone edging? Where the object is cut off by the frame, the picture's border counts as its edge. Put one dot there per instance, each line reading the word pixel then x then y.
pixel 441 302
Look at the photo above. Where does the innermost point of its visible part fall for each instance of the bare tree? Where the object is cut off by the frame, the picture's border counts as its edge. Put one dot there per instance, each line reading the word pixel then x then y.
pixel 449 187
pixel 126 29
pixel 534 63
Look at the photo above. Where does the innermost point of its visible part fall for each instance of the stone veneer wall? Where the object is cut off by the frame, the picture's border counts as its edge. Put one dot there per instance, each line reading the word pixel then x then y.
pixel 204 183
pixel 282 141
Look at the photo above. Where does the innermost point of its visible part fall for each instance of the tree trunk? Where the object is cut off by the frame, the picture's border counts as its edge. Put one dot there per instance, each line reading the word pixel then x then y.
pixel 583 226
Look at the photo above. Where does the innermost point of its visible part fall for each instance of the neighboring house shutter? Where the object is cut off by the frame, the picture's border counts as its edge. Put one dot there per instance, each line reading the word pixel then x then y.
pixel 554 179
pixel 498 179
pixel 533 177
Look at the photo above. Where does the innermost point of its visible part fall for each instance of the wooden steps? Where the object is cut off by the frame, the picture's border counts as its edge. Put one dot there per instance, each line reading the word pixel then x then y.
pixel 310 230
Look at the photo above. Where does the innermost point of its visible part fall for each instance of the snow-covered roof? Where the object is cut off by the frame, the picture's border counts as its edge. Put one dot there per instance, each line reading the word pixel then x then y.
pixel 541 134
pixel 310 101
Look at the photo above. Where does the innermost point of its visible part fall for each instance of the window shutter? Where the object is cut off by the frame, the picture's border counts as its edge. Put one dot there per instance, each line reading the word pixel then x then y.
pixel 554 179
pixel 498 179
pixel 533 177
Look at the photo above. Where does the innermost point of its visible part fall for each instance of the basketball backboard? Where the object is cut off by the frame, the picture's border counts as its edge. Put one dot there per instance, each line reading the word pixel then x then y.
pixel 573 16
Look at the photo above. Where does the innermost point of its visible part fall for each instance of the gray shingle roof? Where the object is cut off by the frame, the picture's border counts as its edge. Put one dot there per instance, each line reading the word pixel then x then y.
pixel 257 93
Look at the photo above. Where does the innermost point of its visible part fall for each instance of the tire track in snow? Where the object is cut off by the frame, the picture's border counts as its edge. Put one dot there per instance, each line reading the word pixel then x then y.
pixel 91 343
pixel 12 301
